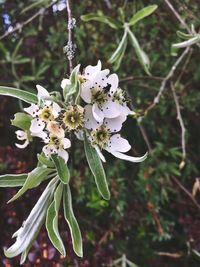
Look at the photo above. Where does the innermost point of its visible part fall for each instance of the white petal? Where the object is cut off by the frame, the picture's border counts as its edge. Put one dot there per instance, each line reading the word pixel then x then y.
pixel 25 144
pixel 129 158
pixel 49 150
pixel 111 109
pixel 42 92
pixel 54 128
pixel 126 110
pixel 56 109
pixel 65 82
pixel 21 135
pixel 32 110
pixel 113 80
pixel 90 122
pixel 66 143
pixel 43 135
pixel 101 78
pixel 117 143
pixel 115 124
pixel 86 91
pixel 91 71
pixel 100 154
pixel 97 113
pixel 63 154
pixel 37 125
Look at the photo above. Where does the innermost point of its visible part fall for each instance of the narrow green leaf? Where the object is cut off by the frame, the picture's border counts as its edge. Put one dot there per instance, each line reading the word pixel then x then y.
pixel 22 121
pixel 183 35
pixel 62 169
pixel 142 57
pixel 72 222
pixel 20 94
pixel 119 49
pixel 102 18
pixel 30 228
pixel 44 161
pixel 141 14
pixel 97 169
pixel 34 178
pixel 52 221
pixel 187 43
pixel 12 180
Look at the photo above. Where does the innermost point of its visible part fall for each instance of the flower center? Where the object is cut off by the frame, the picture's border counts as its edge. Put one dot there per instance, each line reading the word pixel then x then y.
pixel 73 117
pixel 100 136
pixel 98 96
pixel 46 114
pixel 119 96
pixel 55 141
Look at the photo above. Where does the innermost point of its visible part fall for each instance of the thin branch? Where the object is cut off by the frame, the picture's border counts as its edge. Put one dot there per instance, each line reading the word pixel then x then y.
pixel 166 79
pixel 180 119
pixel 177 15
pixel 186 192
pixel 20 25
pixel 133 78
pixel 69 49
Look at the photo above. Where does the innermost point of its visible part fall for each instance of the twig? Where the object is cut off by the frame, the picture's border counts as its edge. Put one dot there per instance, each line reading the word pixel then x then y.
pixel 180 119
pixel 177 15
pixel 69 49
pixel 133 78
pixel 108 4
pixel 186 192
pixel 20 25
pixel 166 79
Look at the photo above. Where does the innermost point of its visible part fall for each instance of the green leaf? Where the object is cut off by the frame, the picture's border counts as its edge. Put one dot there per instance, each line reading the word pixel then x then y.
pixel 52 221
pixel 12 180
pixel 45 161
pixel 22 121
pixel 72 222
pixel 183 35
pixel 102 18
pixel 97 169
pixel 74 87
pixel 141 14
pixel 30 228
pixel 142 57
pixel 119 52
pixel 34 178
pixel 187 43
pixel 62 169
pixel 20 94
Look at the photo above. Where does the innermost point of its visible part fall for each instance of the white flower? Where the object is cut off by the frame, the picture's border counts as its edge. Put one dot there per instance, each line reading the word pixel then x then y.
pixel 22 136
pixel 98 89
pixel 65 83
pixel 44 112
pixel 56 142
pixel 103 138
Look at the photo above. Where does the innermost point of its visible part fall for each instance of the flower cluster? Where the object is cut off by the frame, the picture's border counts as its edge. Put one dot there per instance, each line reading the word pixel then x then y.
pixel 98 114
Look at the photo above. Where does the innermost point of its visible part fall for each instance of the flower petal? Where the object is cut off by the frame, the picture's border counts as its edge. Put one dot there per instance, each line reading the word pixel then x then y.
pixel 42 92
pixel 117 143
pixel 21 135
pixel 86 91
pixel 63 154
pixel 65 82
pixel 115 124
pixel 91 71
pixel 37 125
pixel 43 135
pixel 90 122
pixel 113 80
pixel 97 113
pixel 56 109
pixel 32 110
pixel 66 143
pixel 111 109
pixel 129 158
pixel 25 144
pixel 49 150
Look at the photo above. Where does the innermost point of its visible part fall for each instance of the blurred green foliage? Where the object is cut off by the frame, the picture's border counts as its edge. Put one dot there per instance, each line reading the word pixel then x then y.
pixel 149 212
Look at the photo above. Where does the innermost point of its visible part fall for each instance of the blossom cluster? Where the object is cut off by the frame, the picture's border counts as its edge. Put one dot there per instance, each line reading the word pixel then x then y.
pixel 99 114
